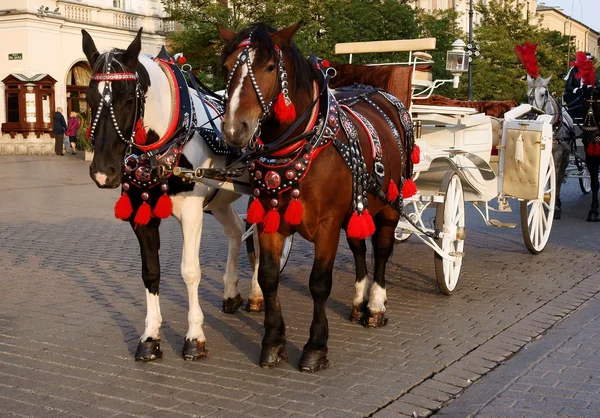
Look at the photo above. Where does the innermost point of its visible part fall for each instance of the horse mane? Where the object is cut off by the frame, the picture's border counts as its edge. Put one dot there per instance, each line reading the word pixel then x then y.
pixel 304 73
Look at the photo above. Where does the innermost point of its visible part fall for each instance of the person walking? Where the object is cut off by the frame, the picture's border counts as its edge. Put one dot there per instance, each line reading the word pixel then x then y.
pixel 72 130
pixel 58 129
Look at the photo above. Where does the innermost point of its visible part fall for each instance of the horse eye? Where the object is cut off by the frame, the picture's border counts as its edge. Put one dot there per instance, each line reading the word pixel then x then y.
pixel 271 68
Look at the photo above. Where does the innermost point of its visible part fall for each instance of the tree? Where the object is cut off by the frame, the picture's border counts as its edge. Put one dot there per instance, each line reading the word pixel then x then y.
pixel 498 74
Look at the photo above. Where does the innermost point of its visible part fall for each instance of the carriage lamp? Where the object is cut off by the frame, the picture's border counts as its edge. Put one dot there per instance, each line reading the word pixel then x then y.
pixel 457 61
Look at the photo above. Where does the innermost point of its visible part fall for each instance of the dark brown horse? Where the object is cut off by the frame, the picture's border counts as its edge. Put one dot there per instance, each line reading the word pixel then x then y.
pixel 591 143
pixel 318 165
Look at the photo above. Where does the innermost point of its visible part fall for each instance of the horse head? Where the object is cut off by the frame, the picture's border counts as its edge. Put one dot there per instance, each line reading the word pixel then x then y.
pixel 266 73
pixel 116 98
pixel 537 91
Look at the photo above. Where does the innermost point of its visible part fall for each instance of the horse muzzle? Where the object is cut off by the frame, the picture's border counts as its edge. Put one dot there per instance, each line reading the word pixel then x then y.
pixel 108 179
pixel 238 134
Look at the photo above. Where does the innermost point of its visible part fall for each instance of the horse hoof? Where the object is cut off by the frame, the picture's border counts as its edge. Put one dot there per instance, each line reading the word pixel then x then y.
pixel 593 217
pixel 270 356
pixel 194 349
pixel 376 320
pixel 313 361
pixel 232 305
pixel 255 305
pixel 357 313
pixel 148 350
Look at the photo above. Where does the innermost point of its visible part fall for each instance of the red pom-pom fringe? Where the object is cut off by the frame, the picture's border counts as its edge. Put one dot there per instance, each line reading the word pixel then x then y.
pixel 325 64
pixel 589 150
pixel 143 214
pixel 256 212
pixel 164 207
pixel 392 191
pixel 597 149
pixel 360 226
pixel 293 213
pixel 181 60
pixel 409 189
pixel 140 133
pixel 271 221
pixel 282 112
pixel 123 208
pixel 415 157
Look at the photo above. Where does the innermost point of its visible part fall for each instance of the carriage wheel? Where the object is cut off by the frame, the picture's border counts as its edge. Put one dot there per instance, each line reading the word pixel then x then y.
pixel 450 219
pixel 285 254
pixel 585 181
pixel 537 215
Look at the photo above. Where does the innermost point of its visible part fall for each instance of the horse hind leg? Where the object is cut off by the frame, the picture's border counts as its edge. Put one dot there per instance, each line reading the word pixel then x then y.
pixel 256 302
pixel 383 244
pixel 363 282
pixel 593 164
pixel 560 153
pixel 188 211
pixel 149 239
pixel 234 229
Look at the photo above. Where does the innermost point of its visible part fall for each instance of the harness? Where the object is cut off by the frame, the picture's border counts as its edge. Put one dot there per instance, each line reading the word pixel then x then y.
pixel 148 166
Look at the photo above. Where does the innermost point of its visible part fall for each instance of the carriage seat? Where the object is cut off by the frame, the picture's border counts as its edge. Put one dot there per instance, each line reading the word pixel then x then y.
pixel 497 125
pixel 394 79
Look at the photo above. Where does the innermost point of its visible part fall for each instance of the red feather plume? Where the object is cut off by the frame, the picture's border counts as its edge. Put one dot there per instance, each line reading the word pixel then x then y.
pixel 526 54
pixel 586 69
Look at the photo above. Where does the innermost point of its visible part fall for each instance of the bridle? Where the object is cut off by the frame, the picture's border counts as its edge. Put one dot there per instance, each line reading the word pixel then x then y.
pixel 107 100
pixel 244 58
pixel 533 98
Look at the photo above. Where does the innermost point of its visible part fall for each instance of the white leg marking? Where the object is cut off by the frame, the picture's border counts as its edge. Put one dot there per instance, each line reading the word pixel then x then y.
pixel 188 211
pixel 234 229
pixel 377 299
pixel 101 178
pixel 153 317
pixel 362 289
pixel 255 292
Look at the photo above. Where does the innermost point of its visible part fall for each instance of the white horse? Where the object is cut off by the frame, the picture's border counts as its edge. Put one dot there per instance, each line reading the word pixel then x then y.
pixel 115 110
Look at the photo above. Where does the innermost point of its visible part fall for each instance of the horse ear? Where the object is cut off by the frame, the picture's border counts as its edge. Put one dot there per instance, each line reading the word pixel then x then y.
pixel 226 34
pixel 89 48
pixel 285 35
pixel 547 81
pixel 530 79
pixel 130 58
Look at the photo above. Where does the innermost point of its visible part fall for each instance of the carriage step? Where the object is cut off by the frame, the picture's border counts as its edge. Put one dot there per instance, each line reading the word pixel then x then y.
pixel 497 223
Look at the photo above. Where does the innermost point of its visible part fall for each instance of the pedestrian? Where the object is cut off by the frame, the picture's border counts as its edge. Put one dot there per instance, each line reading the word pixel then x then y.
pixel 72 130
pixel 58 129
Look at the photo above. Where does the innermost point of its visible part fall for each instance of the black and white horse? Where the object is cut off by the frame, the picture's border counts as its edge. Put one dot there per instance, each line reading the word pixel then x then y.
pixel 565 130
pixel 144 87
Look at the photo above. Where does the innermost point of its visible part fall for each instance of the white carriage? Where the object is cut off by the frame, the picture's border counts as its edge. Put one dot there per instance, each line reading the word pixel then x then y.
pixel 457 166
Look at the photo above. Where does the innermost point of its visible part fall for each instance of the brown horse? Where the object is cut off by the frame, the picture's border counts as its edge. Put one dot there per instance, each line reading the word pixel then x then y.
pixel 279 104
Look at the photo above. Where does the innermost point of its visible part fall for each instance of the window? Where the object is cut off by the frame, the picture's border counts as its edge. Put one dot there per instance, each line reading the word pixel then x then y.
pixel 12 101
pixel 119 4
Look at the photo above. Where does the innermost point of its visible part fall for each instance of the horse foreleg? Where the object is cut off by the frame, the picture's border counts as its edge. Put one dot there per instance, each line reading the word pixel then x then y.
pixel 149 240
pixel 234 229
pixel 273 343
pixel 593 164
pixel 383 244
pixel 256 302
pixel 188 211
pixel 560 153
pixel 314 353
pixel 362 285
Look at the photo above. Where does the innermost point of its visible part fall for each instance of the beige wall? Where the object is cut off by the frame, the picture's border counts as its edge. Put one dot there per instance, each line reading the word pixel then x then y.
pixel 585 39
pixel 52 44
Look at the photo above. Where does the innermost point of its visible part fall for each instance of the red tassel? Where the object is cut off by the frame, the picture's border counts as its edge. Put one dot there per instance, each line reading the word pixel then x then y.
pixel 88 132
pixel 597 149
pixel 282 112
pixel 360 226
pixel 409 189
pixel 392 191
pixel 589 150
pixel 143 214
pixel 415 157
pixel 140 133
pixel 256 212
pixel 164 207
pixel 271 221
pixel 325 64
pixel 293 213
pixel 181 60
pixel 123 208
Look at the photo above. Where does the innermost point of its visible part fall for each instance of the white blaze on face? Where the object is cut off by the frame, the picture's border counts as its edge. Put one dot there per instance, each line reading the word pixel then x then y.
pixel 234 100
pixel 100 178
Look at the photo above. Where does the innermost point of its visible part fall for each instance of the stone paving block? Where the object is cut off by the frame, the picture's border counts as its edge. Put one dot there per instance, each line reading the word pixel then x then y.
pixel 421 401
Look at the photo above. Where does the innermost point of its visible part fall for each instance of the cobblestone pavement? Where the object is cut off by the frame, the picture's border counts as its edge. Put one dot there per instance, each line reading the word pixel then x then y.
pixel 72 308
pixel 557 375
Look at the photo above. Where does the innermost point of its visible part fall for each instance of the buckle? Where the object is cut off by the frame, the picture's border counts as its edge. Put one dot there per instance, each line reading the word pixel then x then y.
pixel 379 169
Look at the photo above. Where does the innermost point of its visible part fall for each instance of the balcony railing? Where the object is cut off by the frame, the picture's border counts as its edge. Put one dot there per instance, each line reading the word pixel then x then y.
pixel 76 12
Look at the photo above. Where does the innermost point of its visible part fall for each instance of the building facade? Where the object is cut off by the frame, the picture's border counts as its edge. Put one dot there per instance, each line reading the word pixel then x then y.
pixel 42 65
